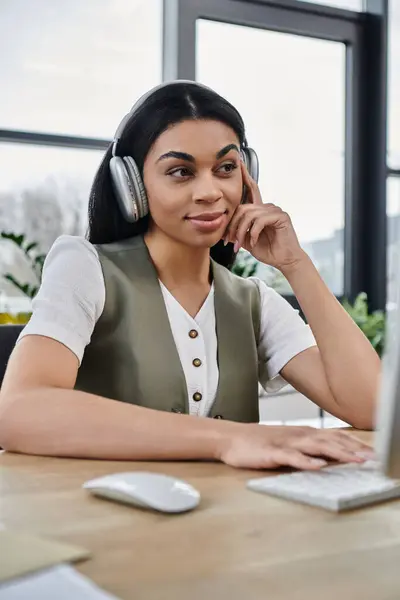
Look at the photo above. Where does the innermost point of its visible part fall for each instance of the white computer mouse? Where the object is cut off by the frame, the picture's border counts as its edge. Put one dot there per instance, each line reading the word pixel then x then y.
pixel 147 490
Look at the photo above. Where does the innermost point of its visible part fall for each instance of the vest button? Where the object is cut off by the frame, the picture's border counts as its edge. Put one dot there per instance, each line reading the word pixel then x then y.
pixel 218 417
pixel 193 334
pixel 196 362
pixel 197 397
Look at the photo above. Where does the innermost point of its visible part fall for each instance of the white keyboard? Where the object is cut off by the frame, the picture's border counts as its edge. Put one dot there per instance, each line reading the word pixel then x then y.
pixel 336 488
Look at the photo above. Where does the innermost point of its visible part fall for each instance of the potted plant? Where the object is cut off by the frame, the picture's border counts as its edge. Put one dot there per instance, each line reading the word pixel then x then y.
pixel 35 260
pixel 372 324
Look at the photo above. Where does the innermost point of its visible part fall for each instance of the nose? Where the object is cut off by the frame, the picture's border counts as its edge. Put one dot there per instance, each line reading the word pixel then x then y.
pixel 206 189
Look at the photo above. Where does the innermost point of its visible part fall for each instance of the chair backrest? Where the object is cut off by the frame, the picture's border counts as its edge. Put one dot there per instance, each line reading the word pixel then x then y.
pixel 8 337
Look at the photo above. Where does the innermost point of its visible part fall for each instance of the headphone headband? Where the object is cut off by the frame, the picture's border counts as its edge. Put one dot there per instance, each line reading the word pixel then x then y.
pixel 142 100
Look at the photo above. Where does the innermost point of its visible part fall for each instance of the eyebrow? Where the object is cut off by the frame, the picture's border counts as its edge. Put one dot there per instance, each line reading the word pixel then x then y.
pixel 190 158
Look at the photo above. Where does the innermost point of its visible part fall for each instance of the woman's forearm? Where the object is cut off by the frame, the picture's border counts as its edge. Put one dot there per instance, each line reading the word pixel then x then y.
pixel 351 365
pixel 57 422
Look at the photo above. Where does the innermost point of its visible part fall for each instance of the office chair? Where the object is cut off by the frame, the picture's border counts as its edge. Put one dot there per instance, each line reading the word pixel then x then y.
pixel 8 337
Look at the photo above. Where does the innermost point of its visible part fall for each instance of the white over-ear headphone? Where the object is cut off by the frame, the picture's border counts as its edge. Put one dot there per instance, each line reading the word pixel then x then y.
pixel 125 175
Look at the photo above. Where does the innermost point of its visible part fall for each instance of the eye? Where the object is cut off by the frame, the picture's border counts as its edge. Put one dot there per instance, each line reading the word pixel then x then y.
pixel 227 168
pixel 180 173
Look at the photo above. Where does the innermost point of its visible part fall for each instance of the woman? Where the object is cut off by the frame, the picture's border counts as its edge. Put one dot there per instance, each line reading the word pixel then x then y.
pixel 136 325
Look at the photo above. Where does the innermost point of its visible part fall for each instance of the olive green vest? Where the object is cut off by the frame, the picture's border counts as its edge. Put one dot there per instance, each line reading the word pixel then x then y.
pixel 132 356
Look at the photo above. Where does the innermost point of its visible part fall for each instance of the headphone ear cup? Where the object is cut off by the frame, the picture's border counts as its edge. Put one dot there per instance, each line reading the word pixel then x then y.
pixel 138 186
pixel 251 161
pixel 128 188
pixel 123 190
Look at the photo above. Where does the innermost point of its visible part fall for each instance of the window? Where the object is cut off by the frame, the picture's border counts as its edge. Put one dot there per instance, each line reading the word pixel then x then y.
pixel 394 85
pixel 73 69
pixel 76 67
pixel 393 183
pixel 44 193
pixel 393 237
pixel 292 98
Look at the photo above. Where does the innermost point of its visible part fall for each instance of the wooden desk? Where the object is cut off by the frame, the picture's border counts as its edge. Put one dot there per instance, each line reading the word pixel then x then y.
pixel 237 545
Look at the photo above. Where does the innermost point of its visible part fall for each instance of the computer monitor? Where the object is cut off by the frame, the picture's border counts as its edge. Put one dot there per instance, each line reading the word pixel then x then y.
pixel 387 436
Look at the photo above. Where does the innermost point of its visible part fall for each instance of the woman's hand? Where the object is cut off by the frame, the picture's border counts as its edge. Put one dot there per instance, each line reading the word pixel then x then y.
pixel 263 229
pixel 269 447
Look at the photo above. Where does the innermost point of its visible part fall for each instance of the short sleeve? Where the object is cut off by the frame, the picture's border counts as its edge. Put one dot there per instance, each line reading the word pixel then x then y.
pixel 283 335
pixel 71 297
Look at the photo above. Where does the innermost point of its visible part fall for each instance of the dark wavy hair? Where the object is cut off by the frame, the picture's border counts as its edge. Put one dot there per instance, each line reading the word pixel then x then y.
pixel 164 107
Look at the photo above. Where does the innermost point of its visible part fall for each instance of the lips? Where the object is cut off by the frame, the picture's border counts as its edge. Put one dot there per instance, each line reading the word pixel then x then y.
pixel 210 216
pixel 208 222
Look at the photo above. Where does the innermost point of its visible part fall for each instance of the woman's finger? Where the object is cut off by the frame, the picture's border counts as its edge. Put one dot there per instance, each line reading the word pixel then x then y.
pixel 246 225
pixel 241 211
pixel 230 232
pixel 328 449
pixel 289 457
pixel 352 439
pixel 253 191
pixel 351 443
pixel 268 219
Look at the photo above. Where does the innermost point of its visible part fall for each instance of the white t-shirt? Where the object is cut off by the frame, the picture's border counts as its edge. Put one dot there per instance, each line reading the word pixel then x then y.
pixel 71 300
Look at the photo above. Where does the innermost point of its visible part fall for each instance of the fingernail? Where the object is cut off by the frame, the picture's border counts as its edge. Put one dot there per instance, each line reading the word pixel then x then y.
pixel 318 462
pixel 236 247
pixel 366 454
pixel 225 241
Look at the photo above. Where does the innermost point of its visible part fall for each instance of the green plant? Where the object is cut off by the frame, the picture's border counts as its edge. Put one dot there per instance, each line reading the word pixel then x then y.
pixel 245 264
pixel 35 259
pixel 371 324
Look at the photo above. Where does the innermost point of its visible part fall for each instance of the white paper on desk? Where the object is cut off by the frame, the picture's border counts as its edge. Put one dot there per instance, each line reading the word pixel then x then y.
pixel 62 582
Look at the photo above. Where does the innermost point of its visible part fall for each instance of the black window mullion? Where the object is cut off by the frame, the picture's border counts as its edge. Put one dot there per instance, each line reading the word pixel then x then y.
pixel 49 139
pixel 365 234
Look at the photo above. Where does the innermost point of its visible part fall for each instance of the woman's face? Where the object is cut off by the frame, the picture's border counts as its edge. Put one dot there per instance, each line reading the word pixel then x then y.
pixel 193 181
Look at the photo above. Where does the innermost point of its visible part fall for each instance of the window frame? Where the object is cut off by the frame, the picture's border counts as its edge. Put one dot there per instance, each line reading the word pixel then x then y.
pixel 366 37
